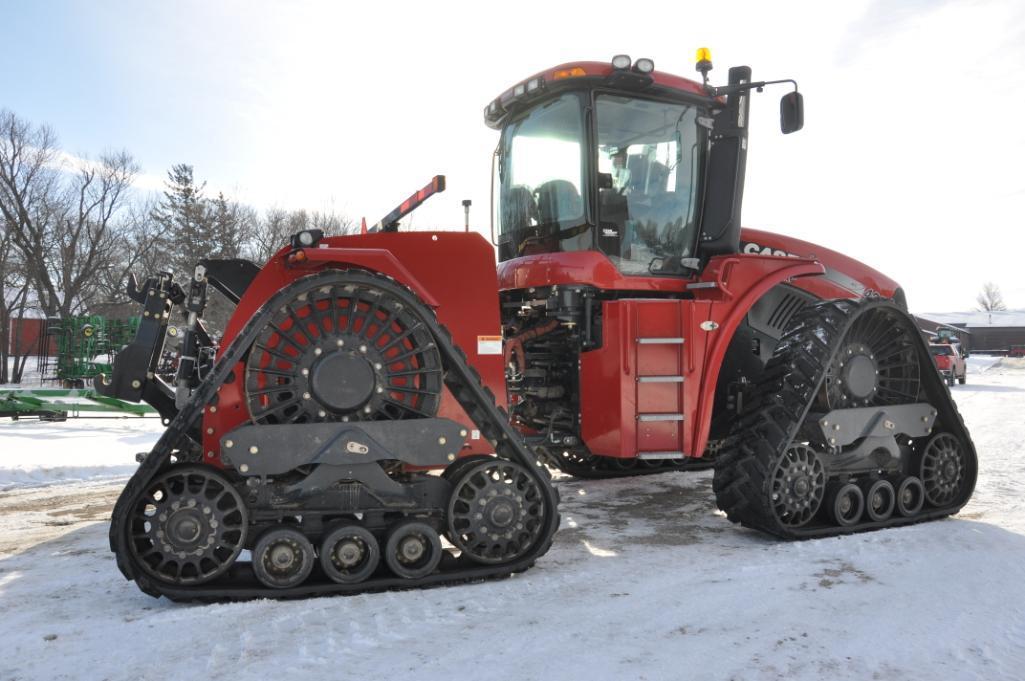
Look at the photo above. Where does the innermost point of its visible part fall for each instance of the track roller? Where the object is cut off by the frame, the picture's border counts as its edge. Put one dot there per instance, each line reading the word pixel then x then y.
pixel 413 550
pixel 349 554
pixel 910 496
pixel 879 500
pixel 282 558
pixel 846 504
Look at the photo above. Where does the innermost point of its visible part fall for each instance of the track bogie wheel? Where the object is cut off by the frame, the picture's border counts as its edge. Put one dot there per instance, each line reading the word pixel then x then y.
pixel 349 554
pixel 879 500
pixel 282 558
pixel 189 527
pixel 496 512
pixel 413 550
pixel 846 504
pixel 910 496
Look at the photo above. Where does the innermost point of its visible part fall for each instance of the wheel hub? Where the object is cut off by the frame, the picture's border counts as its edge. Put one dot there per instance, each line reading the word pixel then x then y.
pixel 342 381
pixel 412 549
pixel 502 513
pixel 348 553
pixel 282 557
pixel 185 527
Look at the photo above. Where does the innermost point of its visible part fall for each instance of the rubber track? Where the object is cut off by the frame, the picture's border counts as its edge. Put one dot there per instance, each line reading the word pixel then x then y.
pixel 463 382
pixel 783 397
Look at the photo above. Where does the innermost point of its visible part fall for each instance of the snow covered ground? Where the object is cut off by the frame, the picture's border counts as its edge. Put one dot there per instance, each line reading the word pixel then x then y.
pixel 646 580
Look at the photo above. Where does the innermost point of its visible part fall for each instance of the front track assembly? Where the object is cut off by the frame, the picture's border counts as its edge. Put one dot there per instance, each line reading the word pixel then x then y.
pixel 850 429
pixel 178 529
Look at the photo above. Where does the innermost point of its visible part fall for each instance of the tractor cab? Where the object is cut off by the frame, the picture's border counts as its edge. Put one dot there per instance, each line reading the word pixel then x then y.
pixel 641 166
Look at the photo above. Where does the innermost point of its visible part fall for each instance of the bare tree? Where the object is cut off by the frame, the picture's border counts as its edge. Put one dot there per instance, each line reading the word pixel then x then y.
pixel 990 299
pixel 63 216
pixel 273 231
pixel 14 289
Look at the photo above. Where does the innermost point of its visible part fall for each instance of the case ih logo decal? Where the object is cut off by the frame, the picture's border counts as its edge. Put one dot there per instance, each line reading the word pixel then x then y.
pixel 751 248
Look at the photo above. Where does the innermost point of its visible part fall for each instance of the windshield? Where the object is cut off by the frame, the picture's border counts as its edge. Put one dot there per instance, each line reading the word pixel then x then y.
pixel 941 350
pixel 648 161
pixel 541 180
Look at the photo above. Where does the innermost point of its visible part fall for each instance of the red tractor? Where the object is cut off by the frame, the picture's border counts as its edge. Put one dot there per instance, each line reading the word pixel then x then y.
pixel 631 327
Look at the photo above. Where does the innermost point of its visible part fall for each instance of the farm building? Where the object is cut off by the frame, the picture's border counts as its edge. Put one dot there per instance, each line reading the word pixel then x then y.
pixel 987 331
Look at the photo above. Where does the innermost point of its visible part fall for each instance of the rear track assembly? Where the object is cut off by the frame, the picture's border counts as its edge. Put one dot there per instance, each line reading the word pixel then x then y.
pixel 187 550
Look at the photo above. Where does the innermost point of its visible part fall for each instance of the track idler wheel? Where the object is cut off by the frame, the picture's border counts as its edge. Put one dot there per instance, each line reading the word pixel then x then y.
pixel 283 558
pixel 879 500
pixel 846 504
pixel 910 496
pixel 189 526
pixel 798 486
pixel 349 554
pixel 495 512
pixel 944 469
pixel 413 550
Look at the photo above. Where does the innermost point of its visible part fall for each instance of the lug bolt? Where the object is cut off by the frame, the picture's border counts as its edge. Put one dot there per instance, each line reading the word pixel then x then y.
pixel 254 450
pixel 229 444
pixel 306 396
pixel 363 348
pixel 317 351
pixel 306 372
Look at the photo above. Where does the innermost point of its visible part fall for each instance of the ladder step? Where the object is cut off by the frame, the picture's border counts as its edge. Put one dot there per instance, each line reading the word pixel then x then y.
pixel 660 417
pixel 661 455
pixel 660 379
pixel 660 341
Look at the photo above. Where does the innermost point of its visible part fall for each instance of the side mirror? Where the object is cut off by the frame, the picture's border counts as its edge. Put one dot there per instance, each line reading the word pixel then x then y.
pixel 791 112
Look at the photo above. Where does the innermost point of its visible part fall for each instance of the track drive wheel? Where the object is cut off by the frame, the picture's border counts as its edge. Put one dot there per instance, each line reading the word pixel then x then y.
pixel 495 512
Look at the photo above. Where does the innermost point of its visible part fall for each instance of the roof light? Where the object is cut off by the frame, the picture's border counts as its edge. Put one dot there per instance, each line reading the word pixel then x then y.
pixel 574 72
pixel 533 84
pixel 644 65
pixel 519 90
pixel 621 61
pixel 704 62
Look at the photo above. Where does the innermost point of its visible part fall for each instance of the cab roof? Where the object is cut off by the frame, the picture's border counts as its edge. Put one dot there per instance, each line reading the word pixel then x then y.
pixel 587 74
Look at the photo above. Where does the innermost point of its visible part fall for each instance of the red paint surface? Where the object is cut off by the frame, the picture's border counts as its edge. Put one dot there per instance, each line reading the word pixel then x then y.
pixel 454 270
pixel 612 397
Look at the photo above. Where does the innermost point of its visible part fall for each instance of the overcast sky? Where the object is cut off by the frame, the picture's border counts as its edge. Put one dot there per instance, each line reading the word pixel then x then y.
pixel 910 160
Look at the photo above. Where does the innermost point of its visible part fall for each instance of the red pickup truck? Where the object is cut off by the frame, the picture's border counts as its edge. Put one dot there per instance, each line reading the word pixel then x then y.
pixel 950 363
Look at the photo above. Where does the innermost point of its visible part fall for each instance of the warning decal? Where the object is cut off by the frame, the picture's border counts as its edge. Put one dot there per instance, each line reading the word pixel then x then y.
pixel 489 345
